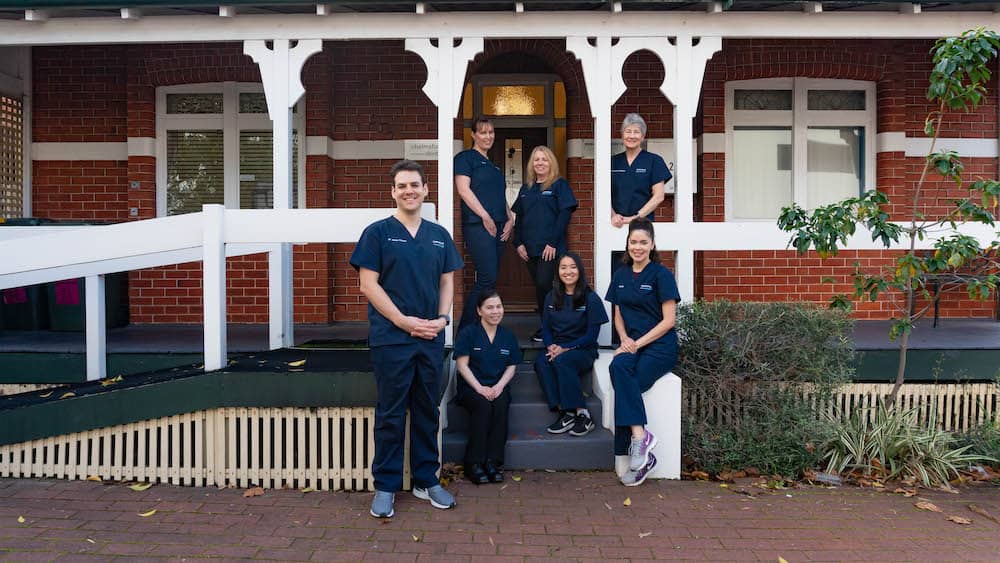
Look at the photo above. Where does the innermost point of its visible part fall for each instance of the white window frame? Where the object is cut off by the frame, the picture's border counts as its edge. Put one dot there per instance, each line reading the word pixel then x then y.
pixel 230 122
pixel 799 118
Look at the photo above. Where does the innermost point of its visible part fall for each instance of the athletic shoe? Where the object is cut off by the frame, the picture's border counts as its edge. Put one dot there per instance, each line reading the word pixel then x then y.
pixel 582 425
pixel 638 452
pixel 382 504
pixel 439 497
pixel 562 424
pixel 537 336
pixel 636 478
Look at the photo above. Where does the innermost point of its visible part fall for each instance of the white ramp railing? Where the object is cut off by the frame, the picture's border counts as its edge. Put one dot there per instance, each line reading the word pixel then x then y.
pixel 33 255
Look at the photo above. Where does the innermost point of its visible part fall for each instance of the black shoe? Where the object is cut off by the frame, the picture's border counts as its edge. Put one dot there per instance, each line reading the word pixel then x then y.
pixel 476 474
pixel 562 424
pixel 495 475
pixel 537 337
pixel 582 425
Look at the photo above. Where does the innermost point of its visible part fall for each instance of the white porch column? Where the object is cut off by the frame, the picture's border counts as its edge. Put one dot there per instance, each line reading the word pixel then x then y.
pixel 597 72
pixel 691 60
pixel 213 263
pixel 280 71
pixel 445 82
pixel 97 349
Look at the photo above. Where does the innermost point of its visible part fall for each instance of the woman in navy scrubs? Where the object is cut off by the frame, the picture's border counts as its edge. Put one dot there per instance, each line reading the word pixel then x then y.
pixel 486 218
pixel 645 300
pixel 637 176
pixel 571 322
pixel 486 355
pixel 543 209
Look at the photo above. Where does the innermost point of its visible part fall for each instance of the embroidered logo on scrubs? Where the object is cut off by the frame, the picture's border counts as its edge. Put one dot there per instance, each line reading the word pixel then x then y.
pixel 504 352
pixel 645 287
pixel 619 171
pixel 477 349
pixel 397 239
pixel 438 243
pixel 640 170
pixel 547 192
pixel 584 308
pixel 621 286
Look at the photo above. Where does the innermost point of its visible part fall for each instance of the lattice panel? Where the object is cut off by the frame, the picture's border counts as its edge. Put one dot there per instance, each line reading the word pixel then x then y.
pixel 11 157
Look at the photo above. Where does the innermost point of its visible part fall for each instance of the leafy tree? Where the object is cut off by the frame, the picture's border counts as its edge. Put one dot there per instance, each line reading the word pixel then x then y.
pixel 957 83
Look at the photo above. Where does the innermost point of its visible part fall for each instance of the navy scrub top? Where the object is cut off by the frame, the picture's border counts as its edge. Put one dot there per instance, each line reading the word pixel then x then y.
pixel 632 185
pixel 487 182
pixel 640 298
pixel 570 324
pixel 409 269
pixel 487 360
pixel 537 209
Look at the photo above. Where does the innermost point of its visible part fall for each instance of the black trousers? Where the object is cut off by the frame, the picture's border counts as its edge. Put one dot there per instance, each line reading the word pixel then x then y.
pixel 487 426
pixel 542 273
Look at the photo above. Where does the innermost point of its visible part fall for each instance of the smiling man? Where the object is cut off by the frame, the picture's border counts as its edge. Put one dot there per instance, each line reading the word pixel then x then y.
pixel 406 268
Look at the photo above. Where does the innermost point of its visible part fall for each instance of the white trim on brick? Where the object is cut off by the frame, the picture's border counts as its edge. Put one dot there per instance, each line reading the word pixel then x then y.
pixel 142 146
pixel 79 151
pixel 969 148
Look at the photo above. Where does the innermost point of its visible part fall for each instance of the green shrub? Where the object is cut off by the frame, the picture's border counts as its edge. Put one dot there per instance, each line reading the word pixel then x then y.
pixel 983 441
pixel 737 361
pixel 889 443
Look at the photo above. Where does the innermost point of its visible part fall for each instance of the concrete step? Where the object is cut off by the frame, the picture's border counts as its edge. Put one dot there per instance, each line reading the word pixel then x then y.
pixel 524 417
pixel 541 450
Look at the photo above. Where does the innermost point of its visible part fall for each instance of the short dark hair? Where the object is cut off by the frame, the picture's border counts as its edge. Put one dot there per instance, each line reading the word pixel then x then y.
pixel 481 120
pixel 408 166
pixel 641 224
pixel 488 294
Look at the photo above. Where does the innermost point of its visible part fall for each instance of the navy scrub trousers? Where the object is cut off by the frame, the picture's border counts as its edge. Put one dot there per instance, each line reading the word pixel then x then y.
pixel 488 183
pixel 575 328
pixel 639 298
pixel 408 370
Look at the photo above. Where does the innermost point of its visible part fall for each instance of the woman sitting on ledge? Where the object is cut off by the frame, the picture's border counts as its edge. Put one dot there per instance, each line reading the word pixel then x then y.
pixel 486 355
pixel 645 299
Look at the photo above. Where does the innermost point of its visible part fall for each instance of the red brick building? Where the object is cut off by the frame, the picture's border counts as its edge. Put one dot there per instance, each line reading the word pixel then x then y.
pixel 147 112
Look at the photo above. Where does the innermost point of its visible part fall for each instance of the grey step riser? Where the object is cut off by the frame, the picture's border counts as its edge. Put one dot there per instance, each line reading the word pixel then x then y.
pixel 594 451
pixel 522 416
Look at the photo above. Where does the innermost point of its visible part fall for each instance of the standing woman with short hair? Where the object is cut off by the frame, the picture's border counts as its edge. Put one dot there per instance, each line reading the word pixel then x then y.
pixel 645 298
pixel 486 356
pixel 637 176
pixel 486 218
pixel 543 209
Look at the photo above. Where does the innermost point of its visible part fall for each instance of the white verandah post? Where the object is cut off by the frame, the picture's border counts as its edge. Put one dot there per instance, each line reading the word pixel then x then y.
pixel 280 71
pixel 444 87
pixel 97 335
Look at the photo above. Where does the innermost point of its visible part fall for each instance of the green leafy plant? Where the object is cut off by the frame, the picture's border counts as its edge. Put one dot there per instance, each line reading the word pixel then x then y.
pixel 888 443
pixel 739 362
pixel 957 83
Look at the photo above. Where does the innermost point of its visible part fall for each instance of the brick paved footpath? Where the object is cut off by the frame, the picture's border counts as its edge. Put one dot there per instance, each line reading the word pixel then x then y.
pixel 568 516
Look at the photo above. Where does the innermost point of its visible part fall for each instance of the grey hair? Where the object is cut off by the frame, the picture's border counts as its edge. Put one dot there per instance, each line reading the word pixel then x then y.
pixel 634 119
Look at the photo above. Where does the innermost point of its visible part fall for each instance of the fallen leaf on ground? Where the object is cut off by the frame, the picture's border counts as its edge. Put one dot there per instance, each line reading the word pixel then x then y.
pixel 700 475
pixel 147 514
pixel 752 472
pixel 659 495
pixel 627 501
pixel 905 492
pixel 415 538
pixel 140 486
pixel 491 541
pixel 254 492
pixel 959 520
pixel 608 506
pixel 68 395
pixel 90 540
pixel 20 519
pixel 94 478
pixel 782 560
pixel 307 490
pixel 111 381
pixel 645 534
pixel 516 477
pixel 982 512
pixel 46 395
pixel 924 505
pixel 297 363
pixel 724 485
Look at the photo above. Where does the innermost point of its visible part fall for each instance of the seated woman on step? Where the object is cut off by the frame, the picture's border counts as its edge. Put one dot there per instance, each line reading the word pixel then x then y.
pixel 486 355
pixel 645 300
pixel 571 321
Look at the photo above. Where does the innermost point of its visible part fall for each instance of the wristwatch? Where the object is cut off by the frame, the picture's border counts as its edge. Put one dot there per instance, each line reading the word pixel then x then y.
pixel 447 319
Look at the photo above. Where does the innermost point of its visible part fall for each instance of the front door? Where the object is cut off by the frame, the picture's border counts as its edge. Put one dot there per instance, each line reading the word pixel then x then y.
pixel 510 152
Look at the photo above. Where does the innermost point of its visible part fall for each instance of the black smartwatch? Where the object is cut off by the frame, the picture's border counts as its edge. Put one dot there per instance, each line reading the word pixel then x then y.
pixel 447 319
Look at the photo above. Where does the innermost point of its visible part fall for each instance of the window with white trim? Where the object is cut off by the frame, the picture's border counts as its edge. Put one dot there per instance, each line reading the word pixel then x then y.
pixel 11 157
pixel 802 140
pixel 214 145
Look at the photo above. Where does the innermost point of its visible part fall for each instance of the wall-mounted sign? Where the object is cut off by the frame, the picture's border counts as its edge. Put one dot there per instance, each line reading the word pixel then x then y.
pixel 420 149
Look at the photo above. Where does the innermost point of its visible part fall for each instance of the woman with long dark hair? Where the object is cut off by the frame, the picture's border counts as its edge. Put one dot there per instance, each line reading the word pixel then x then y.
pixel 571 321
pixel 645 298
pixel 486 355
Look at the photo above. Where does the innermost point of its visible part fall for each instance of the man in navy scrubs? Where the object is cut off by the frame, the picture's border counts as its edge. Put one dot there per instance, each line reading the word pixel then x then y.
pixel 406 266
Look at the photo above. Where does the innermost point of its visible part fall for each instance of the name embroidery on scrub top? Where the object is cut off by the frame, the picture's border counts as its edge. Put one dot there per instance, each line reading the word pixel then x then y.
pixel 504 352
pixel 644 287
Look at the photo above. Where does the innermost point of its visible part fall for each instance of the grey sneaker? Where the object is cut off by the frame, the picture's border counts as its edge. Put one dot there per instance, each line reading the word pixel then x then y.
pixel 382 504
pixel 636 478
pixel 638 452
pixel 439 497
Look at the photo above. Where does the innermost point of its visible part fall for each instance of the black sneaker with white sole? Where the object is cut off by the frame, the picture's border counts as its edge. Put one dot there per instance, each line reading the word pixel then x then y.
pixel 582 425
pixel 537 336
pixel 562 424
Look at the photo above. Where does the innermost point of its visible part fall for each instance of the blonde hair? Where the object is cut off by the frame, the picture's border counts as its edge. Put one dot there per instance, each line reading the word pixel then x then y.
pixel 553 166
